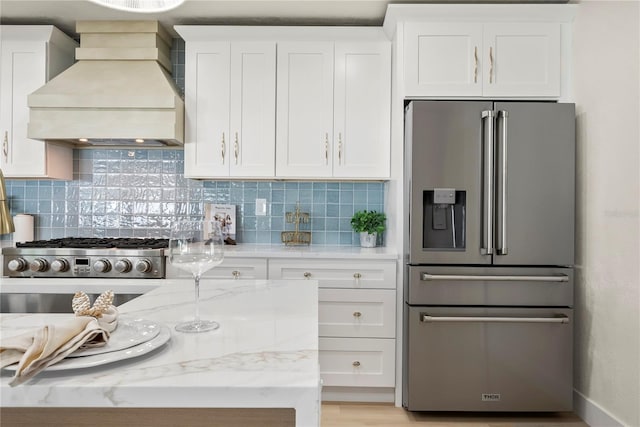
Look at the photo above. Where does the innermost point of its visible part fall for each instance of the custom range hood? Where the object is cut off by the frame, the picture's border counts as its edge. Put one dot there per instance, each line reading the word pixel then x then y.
pixel 119 93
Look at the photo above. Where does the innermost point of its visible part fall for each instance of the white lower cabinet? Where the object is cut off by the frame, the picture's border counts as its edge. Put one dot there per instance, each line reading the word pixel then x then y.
pixel 231 268
pixel 357 362
pixel 357 318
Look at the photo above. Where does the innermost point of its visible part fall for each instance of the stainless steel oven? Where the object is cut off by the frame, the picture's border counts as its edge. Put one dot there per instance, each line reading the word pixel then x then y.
pixel 488 315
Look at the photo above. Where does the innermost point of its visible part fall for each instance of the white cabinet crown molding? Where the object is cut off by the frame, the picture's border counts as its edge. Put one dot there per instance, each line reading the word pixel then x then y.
pixel 397 13
pixel 277 33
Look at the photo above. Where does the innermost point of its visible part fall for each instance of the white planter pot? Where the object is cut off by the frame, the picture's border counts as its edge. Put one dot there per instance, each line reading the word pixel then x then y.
pixel 368 240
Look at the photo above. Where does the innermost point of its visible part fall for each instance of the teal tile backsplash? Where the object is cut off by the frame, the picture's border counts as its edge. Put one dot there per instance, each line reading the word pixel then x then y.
pixel 138 193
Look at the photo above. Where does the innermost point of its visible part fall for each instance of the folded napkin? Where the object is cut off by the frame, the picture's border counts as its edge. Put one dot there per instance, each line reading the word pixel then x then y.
pixel 36 350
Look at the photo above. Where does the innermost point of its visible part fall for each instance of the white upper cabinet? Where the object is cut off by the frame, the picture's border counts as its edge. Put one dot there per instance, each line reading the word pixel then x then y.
pixel 333 115
pixel 524 59
pixel 443 59
pixel 287 102
pixel 30 55
pixel 362 110
pixel 305 109
pixel 467 59
pixel 230 109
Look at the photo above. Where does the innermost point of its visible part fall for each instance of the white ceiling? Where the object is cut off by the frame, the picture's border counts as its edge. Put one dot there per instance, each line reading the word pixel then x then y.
pixel 64 13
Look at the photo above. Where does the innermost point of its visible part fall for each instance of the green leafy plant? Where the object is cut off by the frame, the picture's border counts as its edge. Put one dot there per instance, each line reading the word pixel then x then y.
pixel 368 221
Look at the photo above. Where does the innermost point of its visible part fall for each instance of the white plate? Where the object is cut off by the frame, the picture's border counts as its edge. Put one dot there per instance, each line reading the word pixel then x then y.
pixel 115 356
pixel 129 333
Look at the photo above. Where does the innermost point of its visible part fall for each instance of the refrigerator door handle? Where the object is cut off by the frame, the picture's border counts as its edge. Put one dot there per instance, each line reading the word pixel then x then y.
pixel 430 277
pixel 487 183
pixel 427 318
pixel 501 179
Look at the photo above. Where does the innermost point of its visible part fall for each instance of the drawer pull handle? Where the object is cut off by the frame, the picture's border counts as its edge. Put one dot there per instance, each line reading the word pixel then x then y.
pixel 235 274
pixel 356 364
pixel 357 314
pixel 306 274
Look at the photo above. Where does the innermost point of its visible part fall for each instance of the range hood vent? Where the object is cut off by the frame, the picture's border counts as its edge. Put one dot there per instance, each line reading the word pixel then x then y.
pixel 119 93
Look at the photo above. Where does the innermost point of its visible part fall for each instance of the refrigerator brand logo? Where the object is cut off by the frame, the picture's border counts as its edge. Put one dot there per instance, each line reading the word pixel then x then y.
pixel 490 397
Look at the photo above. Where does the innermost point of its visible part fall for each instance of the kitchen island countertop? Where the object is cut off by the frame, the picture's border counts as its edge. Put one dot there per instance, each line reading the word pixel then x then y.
pixel 265 354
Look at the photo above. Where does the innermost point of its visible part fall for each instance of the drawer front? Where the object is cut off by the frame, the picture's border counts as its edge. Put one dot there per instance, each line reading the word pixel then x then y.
pixel 355 274
pixel 231 268
pixel 362 313
pixel 357 362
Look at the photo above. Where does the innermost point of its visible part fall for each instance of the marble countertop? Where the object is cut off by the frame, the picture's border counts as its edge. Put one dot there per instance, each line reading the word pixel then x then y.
pixel 265 353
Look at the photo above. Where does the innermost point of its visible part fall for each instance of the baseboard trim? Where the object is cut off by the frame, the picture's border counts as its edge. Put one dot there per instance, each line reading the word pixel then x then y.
pixel 591 413
pixel 358 394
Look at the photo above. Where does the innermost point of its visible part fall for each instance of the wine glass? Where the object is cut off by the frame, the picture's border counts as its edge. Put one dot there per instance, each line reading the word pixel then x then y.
pixel 196 246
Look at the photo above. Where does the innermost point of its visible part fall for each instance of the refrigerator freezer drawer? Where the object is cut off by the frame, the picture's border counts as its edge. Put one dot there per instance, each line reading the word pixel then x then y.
pixel 490 286
pixel 488 359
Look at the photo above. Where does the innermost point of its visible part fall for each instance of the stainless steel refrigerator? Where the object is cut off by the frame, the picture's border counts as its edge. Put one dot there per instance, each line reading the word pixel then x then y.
pixel 488 316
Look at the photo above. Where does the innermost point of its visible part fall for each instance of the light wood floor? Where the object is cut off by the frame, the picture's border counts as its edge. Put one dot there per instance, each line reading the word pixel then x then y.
pixel 387 415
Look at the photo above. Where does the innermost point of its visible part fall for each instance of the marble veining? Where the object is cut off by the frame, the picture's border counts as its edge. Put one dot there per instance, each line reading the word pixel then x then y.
pixel 265 353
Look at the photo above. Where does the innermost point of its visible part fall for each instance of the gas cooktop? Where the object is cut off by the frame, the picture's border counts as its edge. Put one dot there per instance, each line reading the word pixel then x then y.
pixel 130 258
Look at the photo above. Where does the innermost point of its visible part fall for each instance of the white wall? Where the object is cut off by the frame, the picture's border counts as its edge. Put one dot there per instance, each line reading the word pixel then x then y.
pixel 607 93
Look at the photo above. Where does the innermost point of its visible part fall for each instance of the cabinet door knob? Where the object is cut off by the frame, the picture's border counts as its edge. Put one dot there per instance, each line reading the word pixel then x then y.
pixel 357 276
pixel 356 364
pixel 235 274
pixel 357 314
pixel 306 274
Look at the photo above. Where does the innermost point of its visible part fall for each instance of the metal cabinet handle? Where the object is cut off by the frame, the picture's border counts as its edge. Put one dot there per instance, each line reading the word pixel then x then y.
pixel 357 276
pixel 5 146
pixel 501 209
pixel 475 67
pixel 235 274
pixel 340 148
pixel 224 148
pixel 236 147
pixel 465 319
pixel 306 274
pixel 559 278
pixel 487 183
pixel 356 364
pixel 490 64
pixel 326 148
pixel 357 314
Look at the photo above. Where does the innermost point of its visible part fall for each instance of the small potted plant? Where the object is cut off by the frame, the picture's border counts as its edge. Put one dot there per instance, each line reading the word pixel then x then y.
pixel 369 224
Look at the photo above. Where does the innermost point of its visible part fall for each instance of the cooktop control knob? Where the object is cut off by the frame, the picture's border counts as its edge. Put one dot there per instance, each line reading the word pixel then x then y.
pixel 17 265
pixel 102 266
pixel 143 266
pixel 123 266
pixel 39 264
pixel 60 265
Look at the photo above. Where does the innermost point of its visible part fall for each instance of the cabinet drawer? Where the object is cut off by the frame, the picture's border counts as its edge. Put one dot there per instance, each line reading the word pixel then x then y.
pixel 359 362
pixel 357 313
pixel 337 273
pixel 231 268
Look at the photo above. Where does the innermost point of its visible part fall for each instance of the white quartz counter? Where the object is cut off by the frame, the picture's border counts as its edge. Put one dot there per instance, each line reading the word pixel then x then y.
pixel 265 354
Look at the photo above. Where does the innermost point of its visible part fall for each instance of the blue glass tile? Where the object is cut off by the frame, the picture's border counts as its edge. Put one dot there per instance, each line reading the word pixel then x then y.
pixel 332 224
pixel 276 237
pixel 277 185
pixel 277 224
pixel 31 193
pixel 83 154
pixel 263 237
pixel 277 196
pixel 248 237
pixel 58 206
pixel 333 196
pixel 318 238
pixel 374 197
pixel 317 224
pixel 306 196
pixel 250 194
pixel 263 223
pixel 333 210
pixel 277 209
pixel 44 207
pixel 253 185
pixel 318 210
pixel 332 238
pixel 346 238
pixel 346 186
pixel 360 197
pixel 344 224
pixel 249 223
pixel 346 211
pixel 291 196
pixel 320 186
pixel 333 186
pixel 346 196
